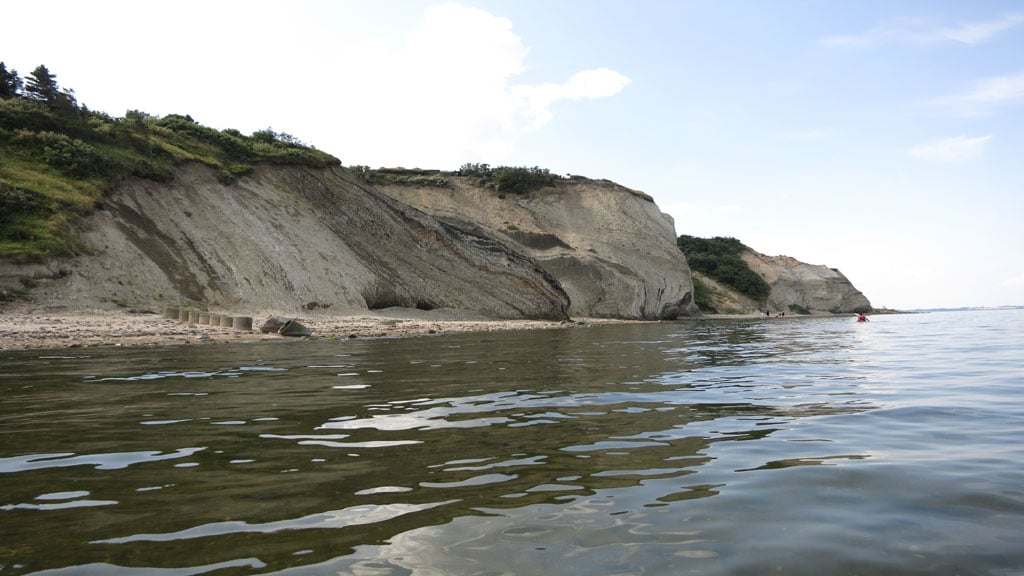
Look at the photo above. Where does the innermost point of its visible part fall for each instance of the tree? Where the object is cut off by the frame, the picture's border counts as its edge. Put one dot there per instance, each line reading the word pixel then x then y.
pixel 41 85
pixel 10 82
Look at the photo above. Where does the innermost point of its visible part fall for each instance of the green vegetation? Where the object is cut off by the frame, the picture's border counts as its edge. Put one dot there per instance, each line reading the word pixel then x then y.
pixel 58 158
pixel 503 179
pixel 702 296
pixel 719 258
pixel 510 179
pixel 402 176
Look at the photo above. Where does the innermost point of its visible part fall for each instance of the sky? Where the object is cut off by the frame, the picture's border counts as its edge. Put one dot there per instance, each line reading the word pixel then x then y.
pixel 882 138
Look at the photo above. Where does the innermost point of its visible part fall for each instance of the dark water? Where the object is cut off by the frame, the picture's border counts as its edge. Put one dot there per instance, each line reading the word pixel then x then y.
pixel 779 446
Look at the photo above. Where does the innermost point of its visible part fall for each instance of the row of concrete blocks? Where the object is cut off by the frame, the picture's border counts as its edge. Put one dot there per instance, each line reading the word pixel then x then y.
pixel 197 317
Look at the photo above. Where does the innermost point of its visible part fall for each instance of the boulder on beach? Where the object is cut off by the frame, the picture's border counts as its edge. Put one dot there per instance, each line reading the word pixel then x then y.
pixel 273 324
pixel 294 328
pixel 285 327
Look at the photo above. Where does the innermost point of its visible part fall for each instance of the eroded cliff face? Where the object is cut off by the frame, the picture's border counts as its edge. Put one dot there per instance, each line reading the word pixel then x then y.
pixel 609 247
pixel 816 288
pixel 289 239
pixel 286 239
pixel 793 286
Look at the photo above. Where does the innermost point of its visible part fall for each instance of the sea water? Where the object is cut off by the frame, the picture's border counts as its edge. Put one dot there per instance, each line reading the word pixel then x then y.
pixel 772 446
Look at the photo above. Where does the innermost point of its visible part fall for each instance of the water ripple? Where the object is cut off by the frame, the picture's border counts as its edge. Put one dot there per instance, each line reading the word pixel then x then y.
pixel 105 569
pixel 114 461
pixel 352 516
pixel 810 446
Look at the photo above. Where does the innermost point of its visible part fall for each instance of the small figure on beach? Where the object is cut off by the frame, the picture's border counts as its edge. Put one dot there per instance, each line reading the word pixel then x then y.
pixel 861 317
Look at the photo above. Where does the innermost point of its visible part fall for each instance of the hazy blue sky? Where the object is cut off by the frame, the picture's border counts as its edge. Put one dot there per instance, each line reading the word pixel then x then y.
pixel 883 138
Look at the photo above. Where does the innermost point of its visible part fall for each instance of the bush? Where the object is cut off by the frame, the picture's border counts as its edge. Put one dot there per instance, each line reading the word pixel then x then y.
pixel 471 169
pixel 15 201
pixel 402 176
pixel 509 179
pixel 719 258
pixel 18 113
pixel 70 155
pixel 522 180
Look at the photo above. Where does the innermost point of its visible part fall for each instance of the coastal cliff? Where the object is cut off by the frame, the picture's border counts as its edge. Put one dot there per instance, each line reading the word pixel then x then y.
pixel 797 285
pixel 609 247
pixel 287 239
pixel 298 238
pixel 792 286
pixel 138 212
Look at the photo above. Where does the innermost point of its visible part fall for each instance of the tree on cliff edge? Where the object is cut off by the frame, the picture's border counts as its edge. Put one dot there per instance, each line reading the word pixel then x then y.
pixel 41 86
pixel 10 82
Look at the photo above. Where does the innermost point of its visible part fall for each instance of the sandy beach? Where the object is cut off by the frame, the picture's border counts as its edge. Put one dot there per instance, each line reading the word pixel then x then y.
pixel 22 329
pixel 29 330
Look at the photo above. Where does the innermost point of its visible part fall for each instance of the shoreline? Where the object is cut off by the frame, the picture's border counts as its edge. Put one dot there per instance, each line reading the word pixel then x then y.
pixel 100 328
pixel 41 330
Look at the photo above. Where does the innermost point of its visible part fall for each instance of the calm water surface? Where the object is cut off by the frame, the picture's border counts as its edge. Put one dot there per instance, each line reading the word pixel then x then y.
pixel 777 446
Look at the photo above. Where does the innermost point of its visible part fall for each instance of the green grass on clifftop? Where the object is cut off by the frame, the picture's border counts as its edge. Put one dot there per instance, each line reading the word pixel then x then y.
pixel 58 159
pixel 518 180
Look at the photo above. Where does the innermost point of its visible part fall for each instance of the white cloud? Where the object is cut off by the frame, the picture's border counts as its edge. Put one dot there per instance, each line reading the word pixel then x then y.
pixel 434 89
pixel 919 31
pixel 436 99
pixel 444 95
pixel 987 94
pixel 534 103
pixel 901 30
pixel 978 32
pixel 590 84
pixel 955 150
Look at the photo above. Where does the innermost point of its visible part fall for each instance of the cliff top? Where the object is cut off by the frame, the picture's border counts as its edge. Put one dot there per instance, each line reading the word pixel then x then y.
pixel 60 158
pixel 512 180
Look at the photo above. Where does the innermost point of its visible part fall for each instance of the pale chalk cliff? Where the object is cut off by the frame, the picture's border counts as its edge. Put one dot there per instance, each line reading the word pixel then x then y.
pixel 609 247
pixel 798 285
pixel 794 286
pixel 289 239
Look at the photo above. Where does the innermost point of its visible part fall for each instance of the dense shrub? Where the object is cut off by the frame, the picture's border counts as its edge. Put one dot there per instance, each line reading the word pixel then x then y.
pixel 719 258
pixel 15 201
pixel 522 180
pixel 403 176
pixel 18 113
pixel 70 155
pixel 509 179
pixel 471 169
